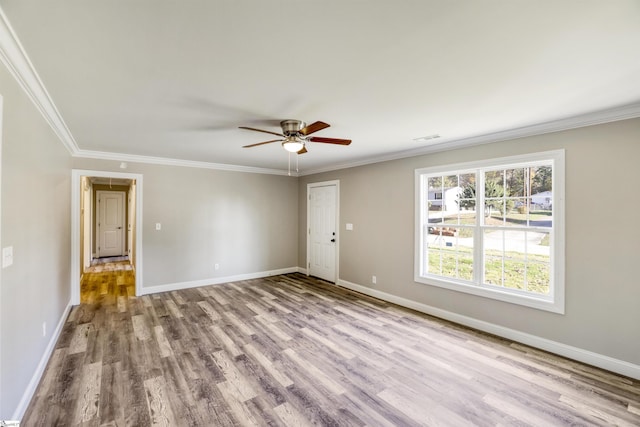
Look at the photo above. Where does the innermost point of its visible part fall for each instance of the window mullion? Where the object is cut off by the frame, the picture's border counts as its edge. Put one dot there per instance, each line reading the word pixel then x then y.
pixel 425 223
pixel 478 241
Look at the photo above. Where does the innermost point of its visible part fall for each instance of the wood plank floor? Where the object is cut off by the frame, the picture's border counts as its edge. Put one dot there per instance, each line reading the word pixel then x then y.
pixel 295 351
pixel 107 279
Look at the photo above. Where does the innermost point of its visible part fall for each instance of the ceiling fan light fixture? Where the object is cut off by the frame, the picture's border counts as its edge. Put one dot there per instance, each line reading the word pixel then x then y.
pixel 293 144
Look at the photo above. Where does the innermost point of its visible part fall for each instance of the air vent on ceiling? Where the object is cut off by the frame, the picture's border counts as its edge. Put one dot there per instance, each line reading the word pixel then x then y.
pixel 426 138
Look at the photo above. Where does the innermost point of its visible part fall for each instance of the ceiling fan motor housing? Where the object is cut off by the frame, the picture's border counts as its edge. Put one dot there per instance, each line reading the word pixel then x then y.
pixel 292 127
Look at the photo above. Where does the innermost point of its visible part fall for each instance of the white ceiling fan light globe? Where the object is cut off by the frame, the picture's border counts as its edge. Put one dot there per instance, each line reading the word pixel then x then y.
pixel 293 145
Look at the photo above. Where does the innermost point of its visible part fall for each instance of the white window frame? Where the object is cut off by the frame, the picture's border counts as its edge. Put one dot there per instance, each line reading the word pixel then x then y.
pixel 555 300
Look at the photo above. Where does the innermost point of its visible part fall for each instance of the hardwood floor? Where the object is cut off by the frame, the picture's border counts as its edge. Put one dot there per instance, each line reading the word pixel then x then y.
pixel 107 278
pixel 295 351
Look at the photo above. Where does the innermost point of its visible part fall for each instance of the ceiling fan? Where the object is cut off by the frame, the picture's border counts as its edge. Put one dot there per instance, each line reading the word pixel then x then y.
pixel 295 135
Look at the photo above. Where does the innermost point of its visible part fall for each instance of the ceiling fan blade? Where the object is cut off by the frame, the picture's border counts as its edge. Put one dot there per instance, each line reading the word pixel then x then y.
pixel 302 150
pixel 313 127
pixel 260 130
pixel 329 140
pixel 261 143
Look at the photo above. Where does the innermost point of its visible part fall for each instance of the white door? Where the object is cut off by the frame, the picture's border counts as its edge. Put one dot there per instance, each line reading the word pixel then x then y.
pixel 110 225
pixel 322 232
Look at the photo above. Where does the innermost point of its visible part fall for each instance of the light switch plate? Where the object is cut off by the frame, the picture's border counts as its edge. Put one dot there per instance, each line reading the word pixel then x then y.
pixel 7 256
pixel 158 226
pixel 350 227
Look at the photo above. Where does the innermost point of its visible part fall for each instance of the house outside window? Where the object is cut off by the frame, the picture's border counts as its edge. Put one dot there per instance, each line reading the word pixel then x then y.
pixel 504 241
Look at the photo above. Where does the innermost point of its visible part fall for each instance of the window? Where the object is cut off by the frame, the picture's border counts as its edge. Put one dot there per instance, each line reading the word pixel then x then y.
pixel 494 228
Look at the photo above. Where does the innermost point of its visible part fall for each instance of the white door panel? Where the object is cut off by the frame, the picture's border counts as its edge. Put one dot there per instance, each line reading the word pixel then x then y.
pixel 322 232
pixel 110 223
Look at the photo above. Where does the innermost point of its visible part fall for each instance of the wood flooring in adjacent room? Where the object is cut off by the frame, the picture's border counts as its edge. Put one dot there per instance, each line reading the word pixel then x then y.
pixel 295 351
pixel 107 278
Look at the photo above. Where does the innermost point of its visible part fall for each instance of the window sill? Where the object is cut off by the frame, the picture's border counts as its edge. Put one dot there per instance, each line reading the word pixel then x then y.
pixel 527 300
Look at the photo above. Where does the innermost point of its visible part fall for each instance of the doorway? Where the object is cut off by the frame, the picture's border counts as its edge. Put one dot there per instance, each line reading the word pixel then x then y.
pixel 322 226
pixel 120 223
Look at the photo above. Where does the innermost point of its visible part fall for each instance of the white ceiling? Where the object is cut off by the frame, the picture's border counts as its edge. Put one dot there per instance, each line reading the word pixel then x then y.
pixel 174 79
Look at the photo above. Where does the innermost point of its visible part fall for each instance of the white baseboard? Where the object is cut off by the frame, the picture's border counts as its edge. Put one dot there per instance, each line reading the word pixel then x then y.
pixel 217 280
pixel 37 375
pixel 575 353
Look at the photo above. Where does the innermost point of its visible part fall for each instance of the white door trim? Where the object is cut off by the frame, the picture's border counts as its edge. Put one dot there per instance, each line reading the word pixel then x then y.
pixel 311 185
pixel 88 249
pixel 76 189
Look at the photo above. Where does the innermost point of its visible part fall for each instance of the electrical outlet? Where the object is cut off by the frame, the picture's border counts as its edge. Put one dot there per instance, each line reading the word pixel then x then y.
pixel 216 266
pixel 374 279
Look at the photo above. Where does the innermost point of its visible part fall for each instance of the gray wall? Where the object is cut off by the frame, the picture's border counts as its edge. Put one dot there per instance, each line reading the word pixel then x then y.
pixel 602 237
pixel 35 216
pixel 246 223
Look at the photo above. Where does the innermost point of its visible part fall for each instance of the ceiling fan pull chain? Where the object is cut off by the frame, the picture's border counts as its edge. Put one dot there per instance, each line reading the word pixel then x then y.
pixel 289 163
pixel 297 157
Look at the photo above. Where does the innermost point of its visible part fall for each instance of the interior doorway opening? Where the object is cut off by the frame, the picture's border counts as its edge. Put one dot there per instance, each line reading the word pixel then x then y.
pixel 108 218
pixel 106 228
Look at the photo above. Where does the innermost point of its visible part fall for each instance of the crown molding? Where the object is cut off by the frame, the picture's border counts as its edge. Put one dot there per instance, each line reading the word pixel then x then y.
pixel 133 158
pixel 622 112
pixel 14 57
